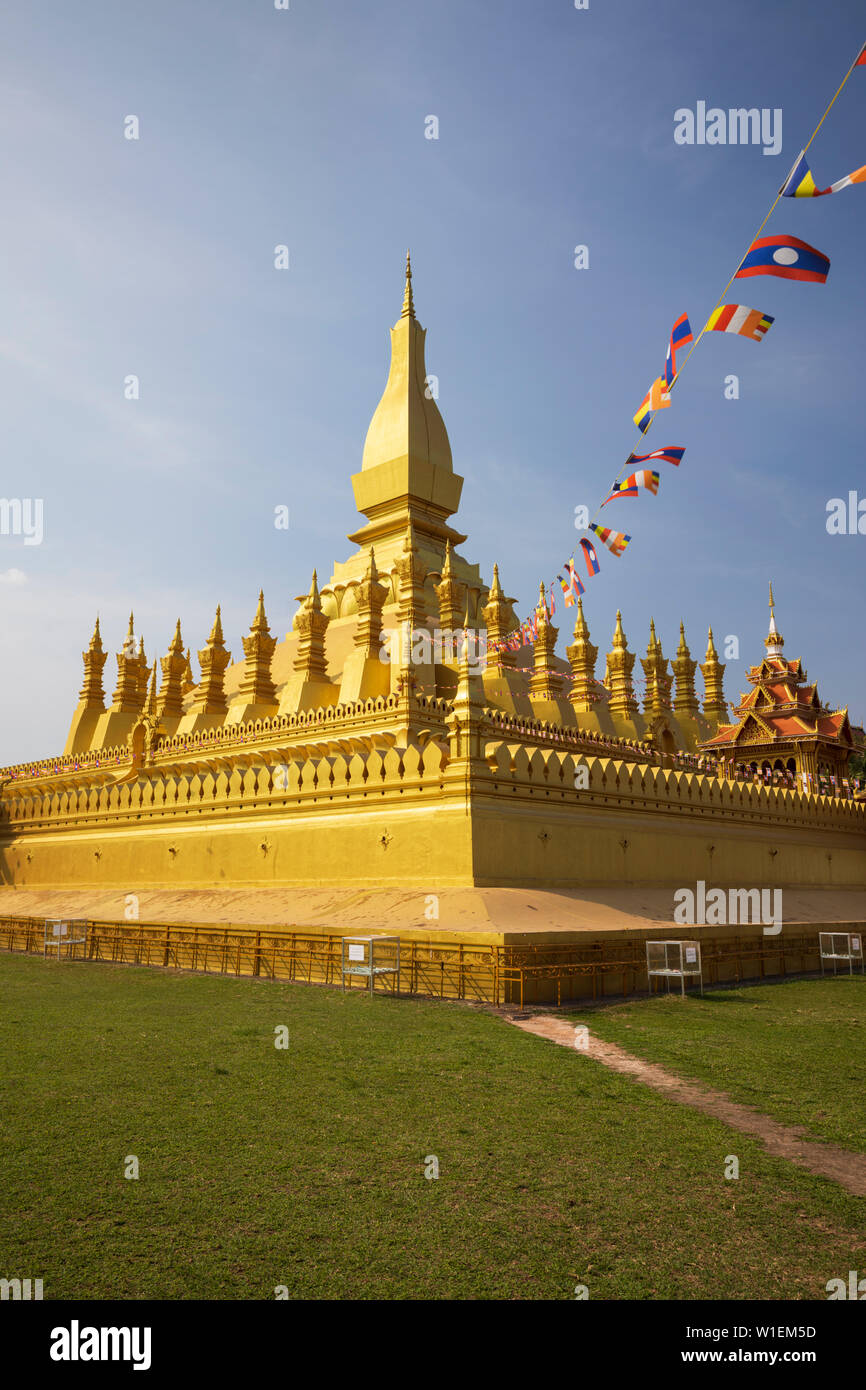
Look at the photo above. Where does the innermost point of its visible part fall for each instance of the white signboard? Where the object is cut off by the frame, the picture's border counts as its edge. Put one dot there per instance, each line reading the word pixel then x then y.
pixel 356 952
pixel 60 929
pixel 691 955
pixel 855 943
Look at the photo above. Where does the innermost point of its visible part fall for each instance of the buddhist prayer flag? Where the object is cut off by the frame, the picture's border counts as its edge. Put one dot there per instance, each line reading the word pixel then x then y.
pixel 551 605
pixel 615 541
pixel 862 59
pixel 630 486
pixel 573 587
pixel 643 415
pixel 800 183
pixel 656 398
pixel 591 558
pixel 681 334
pixel 671 453
pixel 739 318
pixel 785 256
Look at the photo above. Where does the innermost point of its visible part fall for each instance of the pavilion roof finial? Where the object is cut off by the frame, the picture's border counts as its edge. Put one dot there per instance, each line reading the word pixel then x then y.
pixel 774 641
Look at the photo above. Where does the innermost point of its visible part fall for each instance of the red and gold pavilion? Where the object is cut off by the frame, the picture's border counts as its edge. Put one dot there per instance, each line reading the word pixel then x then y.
pixel 782 726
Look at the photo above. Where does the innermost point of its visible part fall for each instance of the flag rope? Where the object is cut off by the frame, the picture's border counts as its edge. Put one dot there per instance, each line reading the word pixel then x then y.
pixel 720 301
pixel 678 373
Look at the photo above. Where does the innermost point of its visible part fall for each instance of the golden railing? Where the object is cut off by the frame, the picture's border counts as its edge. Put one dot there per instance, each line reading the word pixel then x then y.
pixel 490 974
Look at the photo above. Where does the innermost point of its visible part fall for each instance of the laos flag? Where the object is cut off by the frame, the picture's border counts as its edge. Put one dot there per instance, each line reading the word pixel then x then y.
pixel 785 256
pixel 591 558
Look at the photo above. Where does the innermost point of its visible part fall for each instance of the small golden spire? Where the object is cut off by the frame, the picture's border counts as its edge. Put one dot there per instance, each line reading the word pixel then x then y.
pixel 711 650
pixel 176 647
pixel 447 569
pixel 408 301
pixel 128 649
pixel 96 639
pixel 150 707
pixel 314 600
pixel 260 622
pixel 619 639
pixel 496 587
pixel 216 634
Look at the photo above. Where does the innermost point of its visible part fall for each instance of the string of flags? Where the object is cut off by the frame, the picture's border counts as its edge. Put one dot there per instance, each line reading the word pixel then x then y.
pixel 781 255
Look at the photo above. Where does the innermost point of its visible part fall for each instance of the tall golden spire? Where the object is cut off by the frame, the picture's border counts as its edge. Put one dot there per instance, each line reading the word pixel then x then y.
pixel 620 663
pixel 411 573
pixel 658 681
pixel 150 705
pixel 498 615
pixel 130 693
pixel 685 699
pixel 129 644
pixel 370 596
pixel 91 698
pixel 582 656
pixel 450 593
pixel 92 695
pixel 257 686
pixel 260 622
pixel 544 683
pixel 174 665
pixel 311 625
pixel 213 659
pixel 712 671
pixel 365 675
pixel 143 671
pixel 408 300
pixel 406 467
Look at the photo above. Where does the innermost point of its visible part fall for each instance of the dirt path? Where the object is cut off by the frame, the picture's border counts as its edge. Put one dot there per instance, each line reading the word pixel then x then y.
pixel 782 1141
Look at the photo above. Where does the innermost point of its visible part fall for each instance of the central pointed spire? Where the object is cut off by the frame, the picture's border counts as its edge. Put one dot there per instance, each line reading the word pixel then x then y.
pixel 408 301
pixel 407 422
pixel 406 468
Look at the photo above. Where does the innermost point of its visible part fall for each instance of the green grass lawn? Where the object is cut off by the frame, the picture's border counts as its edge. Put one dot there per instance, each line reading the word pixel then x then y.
pixel 261 1167
pixel 795 1050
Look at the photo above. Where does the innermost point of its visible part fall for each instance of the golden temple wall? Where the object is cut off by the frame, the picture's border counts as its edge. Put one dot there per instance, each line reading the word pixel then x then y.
pixel 214 810
pixel 640 824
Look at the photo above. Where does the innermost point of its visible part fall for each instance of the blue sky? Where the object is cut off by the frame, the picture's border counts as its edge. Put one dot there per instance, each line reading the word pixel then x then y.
pixel 307 127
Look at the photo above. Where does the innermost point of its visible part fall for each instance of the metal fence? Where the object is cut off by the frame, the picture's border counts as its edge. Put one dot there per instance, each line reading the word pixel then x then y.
pixel 489 974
